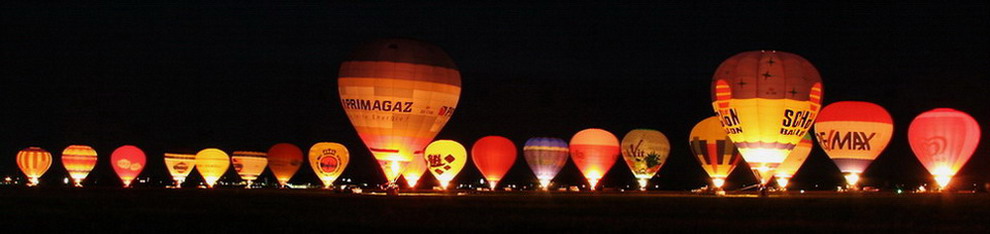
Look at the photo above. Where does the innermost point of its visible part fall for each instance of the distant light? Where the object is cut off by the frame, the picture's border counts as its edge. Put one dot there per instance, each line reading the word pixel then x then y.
pixel 65 180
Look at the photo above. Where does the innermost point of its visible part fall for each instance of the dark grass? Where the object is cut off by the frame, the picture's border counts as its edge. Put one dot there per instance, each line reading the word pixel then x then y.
pixel 286 211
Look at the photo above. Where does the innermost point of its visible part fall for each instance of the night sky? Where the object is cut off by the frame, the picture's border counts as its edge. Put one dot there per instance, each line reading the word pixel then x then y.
pixel 179 78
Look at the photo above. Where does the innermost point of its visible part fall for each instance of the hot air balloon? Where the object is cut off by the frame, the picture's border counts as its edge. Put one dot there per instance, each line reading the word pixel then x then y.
pixel 794 160
pixel 414 170
pixel 128 161
pixel 594 151
pixel 328 161
pixel 284 160
pixel 212 164
pixel 34 162
pixel 545 156
pixel 767 101
pixel 494 156
pixel 179 166
pixel 398 94
pixel 249 165
pixel 78 160
pixel 853 134
pixel 645 151
pixel 445 158
pixel 714 150
pixel 943 139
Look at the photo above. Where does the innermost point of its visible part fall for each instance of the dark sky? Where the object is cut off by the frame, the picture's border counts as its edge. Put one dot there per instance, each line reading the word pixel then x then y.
pixel 177 77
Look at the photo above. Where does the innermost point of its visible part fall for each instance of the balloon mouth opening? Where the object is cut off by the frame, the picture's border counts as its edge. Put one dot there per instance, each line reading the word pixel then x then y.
pixel 444 184
pixel 718 182
pixel 593 182
pixel 943 181
pixel 642 184
pixel 32 182
pixel 852 178
pixel 411 182
pixel 492 184
pixel 545 184
pixel 782 181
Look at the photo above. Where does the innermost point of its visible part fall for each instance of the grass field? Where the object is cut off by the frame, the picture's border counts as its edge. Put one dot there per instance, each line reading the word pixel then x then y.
pixel 287 211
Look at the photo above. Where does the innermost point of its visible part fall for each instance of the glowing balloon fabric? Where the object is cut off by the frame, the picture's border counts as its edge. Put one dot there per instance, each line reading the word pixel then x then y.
pixel 212 164
pixel 398 94
pixel 445 158
pixel 767 101
pixel 714 150
pixel 249 165
pixel 284 160
pixel 494 156
pixel 545 156
pixel 34 162
pixel 328 161
pixel 414 170
pixel 78 160
pixel 645 151
pixel 128 161
pixel 594 151
pixel 943 139
pixel 179 166
pixel 853 134
pixel 793 163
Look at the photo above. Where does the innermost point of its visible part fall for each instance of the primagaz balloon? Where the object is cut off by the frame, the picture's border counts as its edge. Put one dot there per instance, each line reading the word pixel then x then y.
pixel 645 151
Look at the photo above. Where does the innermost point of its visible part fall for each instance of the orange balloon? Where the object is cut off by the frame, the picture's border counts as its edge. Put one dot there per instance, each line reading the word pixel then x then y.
pixel 594 151
pixel 494 156
pixel 284 160
pixel 34 162
pixel 78 160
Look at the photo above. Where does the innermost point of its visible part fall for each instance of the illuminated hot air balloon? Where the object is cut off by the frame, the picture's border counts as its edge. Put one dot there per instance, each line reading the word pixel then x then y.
pixel 494 156
pixel 249 165
pixel 853 134
pixel 943 139
pixel 398 94
pixel 34 162
pixel 128 161
pixel 793 163
pixel 212 164
pixel 545 156
pixel 328 161
pixel 284 160
pixel 645 151
pixel 767 101
pixel 78 160
pixel 179 166
pixel 445 158
pixel 414 170
pixel 714 150
pixel 594 151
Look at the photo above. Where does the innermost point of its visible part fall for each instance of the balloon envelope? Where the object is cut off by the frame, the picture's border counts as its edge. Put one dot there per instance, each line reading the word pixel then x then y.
pixel 284 160
pixel 714 150
pixel 853 134
pixel 793 163
pixel 943 139
pixel 328 161
pixel 545 156
pixel 249 164
pixel 594 151
pixel 78 160
pixel 398 94
pixel 128 161
pixel 414 170
pixel 445 158
pixel 212 164
pixel 179 166
pixel 645 151
pixel 767 101
pixel 34 162
pixel 494 156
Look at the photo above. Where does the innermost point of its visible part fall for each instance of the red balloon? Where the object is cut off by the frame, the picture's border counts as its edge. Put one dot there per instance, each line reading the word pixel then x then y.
pixel 128 161
pixel 943 139
pixel 493 155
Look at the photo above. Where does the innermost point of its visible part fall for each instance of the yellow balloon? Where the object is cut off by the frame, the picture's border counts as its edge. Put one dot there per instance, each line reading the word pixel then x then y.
pixel 445 158
pixel 249 165
pixel 179 166
pixel 328 161
pixel 414 171
pixel 790 166
pixel 645 151
pixel 212 164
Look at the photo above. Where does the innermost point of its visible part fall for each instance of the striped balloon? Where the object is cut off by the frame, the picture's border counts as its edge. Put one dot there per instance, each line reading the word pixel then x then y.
pixel 793 163
pixel 78 160
pixel 249 165
pixel 714 150
pixel 179 166
pixel 34 162
pixel 545 156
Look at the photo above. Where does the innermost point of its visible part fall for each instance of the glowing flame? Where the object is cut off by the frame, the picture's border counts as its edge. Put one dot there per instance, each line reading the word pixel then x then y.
pixel 593 182
pixel 718 182
pixel 852 179
pixel 444 184
pixel 412 181
pixel 783 182
pixel 545 184
pixel 642 184
pixel 943 174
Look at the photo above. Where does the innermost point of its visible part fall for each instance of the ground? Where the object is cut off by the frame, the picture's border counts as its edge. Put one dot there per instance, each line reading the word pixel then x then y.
pixel 286 211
